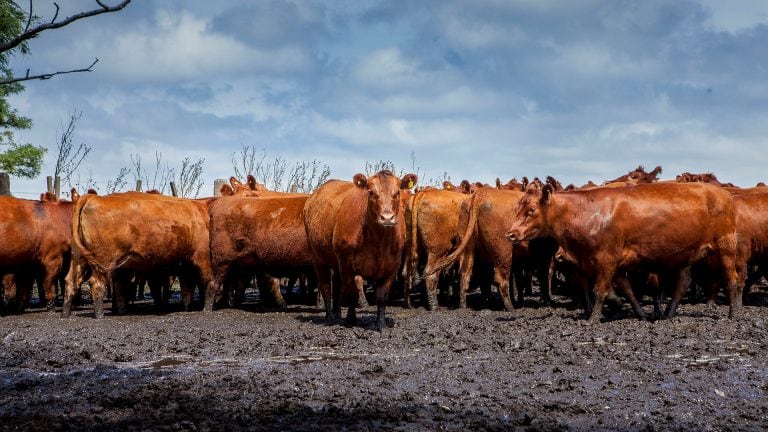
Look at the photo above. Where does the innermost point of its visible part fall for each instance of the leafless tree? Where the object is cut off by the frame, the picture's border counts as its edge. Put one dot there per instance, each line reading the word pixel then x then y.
pixel 32 31
pixel 69 156
pixel 159 176
pixel 190 178
pixel 305 177
pixel 275 173
pixel 82 183
pixel 119 182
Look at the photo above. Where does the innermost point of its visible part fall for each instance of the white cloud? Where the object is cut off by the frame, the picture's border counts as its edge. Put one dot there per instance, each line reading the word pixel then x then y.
pixel 730 16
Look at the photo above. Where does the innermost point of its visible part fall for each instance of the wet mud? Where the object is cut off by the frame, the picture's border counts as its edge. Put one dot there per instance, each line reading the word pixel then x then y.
pixel 536 368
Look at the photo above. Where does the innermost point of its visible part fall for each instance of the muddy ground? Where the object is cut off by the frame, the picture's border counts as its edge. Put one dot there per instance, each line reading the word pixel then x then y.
pixel 258 369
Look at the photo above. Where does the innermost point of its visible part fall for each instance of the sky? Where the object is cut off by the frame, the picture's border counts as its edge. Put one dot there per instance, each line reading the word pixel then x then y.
pixel 472 89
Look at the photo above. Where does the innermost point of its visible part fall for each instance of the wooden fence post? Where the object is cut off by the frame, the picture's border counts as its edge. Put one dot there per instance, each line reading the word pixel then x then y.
pixel 5 184
pixel 49 184
pixel 173 189
pixel 57 187
pixel 138 185
pixel 217 185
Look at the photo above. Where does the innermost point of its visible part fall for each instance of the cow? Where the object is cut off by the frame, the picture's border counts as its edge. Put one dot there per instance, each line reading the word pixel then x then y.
pixel 37 242
pixel 636 176
pixel 120 234
pixel 660 228
pixel 484 235
pixel 752 228
pixel 434 229
pixel 263 236
pixel 512 184
pixel 687 177
pixel 356 231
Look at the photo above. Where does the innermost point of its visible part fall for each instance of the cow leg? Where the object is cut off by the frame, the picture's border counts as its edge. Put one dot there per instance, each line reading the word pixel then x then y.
pixel 519 284
pixel 362 300
pixel 501 277
pixel 276 294
pixel 336 289
pixel 121 283
pixel 351 291
pixel 466 266
pixel 431 282
pixel 98 290
pixel 382 296
pixel 681 286
pixel 734 277
pixel 187 286
pixel 73 279
pixel 626 288
pixel 602 290
pixel 544 274
pixel 324 288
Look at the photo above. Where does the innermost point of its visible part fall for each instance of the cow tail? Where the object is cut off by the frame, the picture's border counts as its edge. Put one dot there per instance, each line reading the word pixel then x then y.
pixel 413 253
pixel 469 235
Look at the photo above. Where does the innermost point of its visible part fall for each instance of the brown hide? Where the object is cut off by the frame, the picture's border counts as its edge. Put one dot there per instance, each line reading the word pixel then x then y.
pixel 357 230
pixel 687 177
pixel 259 235
pixel 36 234
pixel 434 229
pixel 752 228
pixel 140 232
pixel 661 227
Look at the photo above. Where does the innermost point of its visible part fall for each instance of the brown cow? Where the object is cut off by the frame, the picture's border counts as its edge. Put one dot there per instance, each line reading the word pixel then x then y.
pixel 687 177
pixel 259 235
pixel 357 231
pixel 37 237
pixel 484 234
pixel 434 229
pixel 122 233
pixel 512 184
pixel 752 228
pixel 637 176
pixel 662 227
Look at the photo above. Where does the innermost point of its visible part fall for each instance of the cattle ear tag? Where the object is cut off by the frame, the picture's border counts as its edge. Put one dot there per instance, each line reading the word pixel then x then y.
pixel 410 183
pixel 448 188
pixel 359 182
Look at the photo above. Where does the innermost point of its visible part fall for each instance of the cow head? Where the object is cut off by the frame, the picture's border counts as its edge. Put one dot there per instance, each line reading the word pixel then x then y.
pixel 73 195
pixel 384 194
pixel 637 176
pixel 530 218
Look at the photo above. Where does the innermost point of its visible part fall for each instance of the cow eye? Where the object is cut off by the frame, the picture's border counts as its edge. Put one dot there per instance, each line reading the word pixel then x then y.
pixel 531 212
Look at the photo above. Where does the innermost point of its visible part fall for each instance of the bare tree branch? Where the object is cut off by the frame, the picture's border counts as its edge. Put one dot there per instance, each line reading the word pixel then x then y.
pixel 33 32
pixel 28 77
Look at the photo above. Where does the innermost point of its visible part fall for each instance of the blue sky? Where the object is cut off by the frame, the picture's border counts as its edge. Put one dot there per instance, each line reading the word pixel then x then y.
pixel 478 89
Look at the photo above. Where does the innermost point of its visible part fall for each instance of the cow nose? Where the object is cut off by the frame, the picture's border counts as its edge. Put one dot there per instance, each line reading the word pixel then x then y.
pixel 387 219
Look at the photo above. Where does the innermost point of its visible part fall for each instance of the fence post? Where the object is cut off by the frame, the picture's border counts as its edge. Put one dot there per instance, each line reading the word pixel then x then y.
pixel 217 185
pixel 49 184
pixel 57 187
pixel 5 184
pixel 138 185
pixel 173 189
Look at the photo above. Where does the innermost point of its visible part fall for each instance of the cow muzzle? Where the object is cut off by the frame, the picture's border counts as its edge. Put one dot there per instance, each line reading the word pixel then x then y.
pixel 514 236
pixel 387 219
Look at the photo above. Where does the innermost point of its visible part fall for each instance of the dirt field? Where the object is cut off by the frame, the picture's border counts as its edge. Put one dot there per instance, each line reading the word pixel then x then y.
pixel 254 369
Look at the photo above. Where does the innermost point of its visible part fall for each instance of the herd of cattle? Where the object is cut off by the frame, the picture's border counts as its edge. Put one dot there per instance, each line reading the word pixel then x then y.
pixel 634 234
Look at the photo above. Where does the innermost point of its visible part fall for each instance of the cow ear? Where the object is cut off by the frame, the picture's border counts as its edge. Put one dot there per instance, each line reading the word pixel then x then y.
pixel 251 182
pixel 546 193
pixel 234 182
pixel 73 195
pixel 498 183
pixel 447 185
pixel 408 181
pixel 226 190
pixel 360 180
pixel 524 182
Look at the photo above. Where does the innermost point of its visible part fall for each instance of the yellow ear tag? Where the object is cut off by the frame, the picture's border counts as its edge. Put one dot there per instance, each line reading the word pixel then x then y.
pixel 410 184
pixel 359 182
